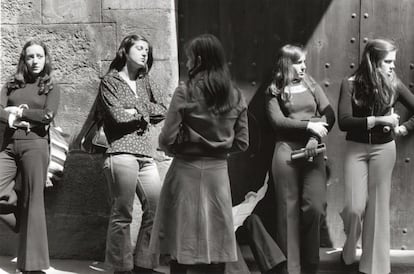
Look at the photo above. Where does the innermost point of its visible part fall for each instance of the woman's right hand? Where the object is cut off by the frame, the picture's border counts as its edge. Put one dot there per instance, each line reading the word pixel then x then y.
pixel 11 109
pixel 391 120
pixel 318 128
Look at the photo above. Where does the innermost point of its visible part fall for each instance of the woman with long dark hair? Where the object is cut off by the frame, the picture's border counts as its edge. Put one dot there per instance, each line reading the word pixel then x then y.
pixel 301 116
pixel 365 113
pixel 206 120
pixel 129 101
pixel 28 104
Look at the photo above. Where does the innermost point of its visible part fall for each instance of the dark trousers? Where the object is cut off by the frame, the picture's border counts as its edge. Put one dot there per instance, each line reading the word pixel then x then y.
pixel 28 160
pixel 300 188
pixel 266 252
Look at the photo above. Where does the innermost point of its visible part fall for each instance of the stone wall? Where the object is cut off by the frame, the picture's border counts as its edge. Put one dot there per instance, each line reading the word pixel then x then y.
pixel 82 37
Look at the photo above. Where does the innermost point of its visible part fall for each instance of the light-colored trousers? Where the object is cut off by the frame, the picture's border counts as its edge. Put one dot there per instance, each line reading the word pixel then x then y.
pixel 367 171
pixel 128 175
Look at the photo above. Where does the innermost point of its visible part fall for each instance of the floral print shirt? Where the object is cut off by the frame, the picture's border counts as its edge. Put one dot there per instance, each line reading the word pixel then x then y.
pixel 130 133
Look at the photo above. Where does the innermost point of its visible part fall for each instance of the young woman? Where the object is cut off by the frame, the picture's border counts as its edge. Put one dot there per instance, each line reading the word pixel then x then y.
pixel 301 115
pixel 28 103
pixel 128 101
pixel 206 120
pixel 365 113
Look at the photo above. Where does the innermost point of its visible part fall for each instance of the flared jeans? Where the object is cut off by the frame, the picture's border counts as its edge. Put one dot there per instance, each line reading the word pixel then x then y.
pixel 127 175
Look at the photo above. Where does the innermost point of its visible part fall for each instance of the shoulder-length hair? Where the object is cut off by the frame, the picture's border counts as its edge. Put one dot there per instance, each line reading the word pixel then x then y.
pixel 283 73
pixel 23 75
pixel 120 59
pixel 373 89
pixel 210 73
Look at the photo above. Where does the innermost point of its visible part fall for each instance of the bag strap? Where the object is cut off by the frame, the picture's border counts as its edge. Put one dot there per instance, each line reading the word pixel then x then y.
pixel 97 120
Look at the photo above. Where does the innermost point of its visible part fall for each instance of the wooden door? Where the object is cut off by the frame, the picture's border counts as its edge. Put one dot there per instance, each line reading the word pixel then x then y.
pixel 333 32
pixel 395 20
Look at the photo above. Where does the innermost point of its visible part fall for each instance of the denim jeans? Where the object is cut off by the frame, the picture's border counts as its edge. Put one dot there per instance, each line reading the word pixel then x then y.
pixel 128 175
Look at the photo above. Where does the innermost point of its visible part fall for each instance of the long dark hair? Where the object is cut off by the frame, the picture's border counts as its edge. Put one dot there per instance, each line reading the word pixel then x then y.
pixel 283 73
pixel 120 59
pixel 373 89
pixel 210 73
pixel 23 76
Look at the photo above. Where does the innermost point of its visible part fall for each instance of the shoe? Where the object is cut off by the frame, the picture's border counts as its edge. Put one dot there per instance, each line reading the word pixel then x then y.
pixel 348 267
pixel 123 272
pixel 310 268
pixel 34 272
pixel 280 268
pixel 142 270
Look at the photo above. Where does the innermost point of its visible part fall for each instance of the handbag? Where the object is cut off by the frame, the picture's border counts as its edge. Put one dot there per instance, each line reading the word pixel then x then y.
pixel 59 148
pixel 99 139
pixel 94 140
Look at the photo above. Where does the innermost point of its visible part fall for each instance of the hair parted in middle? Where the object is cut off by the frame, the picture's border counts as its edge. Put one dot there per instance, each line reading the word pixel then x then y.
pixel 283 73
pixel 372 88
pixel 120 59
pixel 22 75
pixel 210 73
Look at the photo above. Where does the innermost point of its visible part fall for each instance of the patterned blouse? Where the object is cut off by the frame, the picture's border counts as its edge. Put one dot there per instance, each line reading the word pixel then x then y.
pixel 130 133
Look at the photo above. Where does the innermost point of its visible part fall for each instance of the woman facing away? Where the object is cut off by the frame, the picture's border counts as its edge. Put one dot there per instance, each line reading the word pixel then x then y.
pixel 301 115
pixel 28 104
pixel 130 103
pixel 365 112
pixel 206 120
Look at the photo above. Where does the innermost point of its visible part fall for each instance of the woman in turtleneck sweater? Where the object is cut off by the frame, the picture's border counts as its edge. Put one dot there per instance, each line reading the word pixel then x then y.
pixel 301 116
pixel 28 103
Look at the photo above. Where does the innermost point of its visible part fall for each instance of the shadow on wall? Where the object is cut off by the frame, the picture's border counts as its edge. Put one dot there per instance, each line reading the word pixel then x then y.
pixel 251 33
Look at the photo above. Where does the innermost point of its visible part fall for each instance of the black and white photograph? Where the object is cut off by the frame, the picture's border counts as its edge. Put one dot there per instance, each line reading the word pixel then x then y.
pixel 206 136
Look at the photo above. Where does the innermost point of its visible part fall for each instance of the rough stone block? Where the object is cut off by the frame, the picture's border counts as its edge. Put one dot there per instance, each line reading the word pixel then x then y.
pixel 142 4
pixel 77 236
pixel 78 208
pixel 76 49
pixel 83 189
pixel 165 73
pixel 21 12
pixel 71 11
pixel 75 104
pixel 158 26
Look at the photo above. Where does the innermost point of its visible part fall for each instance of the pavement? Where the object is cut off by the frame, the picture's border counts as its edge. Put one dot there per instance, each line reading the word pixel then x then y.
pixel 402 262
pixel 8 266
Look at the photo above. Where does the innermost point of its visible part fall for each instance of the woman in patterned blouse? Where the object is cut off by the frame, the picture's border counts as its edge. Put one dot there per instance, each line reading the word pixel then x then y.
pixel 130 104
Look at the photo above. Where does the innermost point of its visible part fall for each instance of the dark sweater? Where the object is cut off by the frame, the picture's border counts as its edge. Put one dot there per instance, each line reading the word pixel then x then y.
pixel 353 118
pixel 42 109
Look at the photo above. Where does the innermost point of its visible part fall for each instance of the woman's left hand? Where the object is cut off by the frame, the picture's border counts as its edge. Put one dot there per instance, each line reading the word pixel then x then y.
pixel 310 149
pixel 400 131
